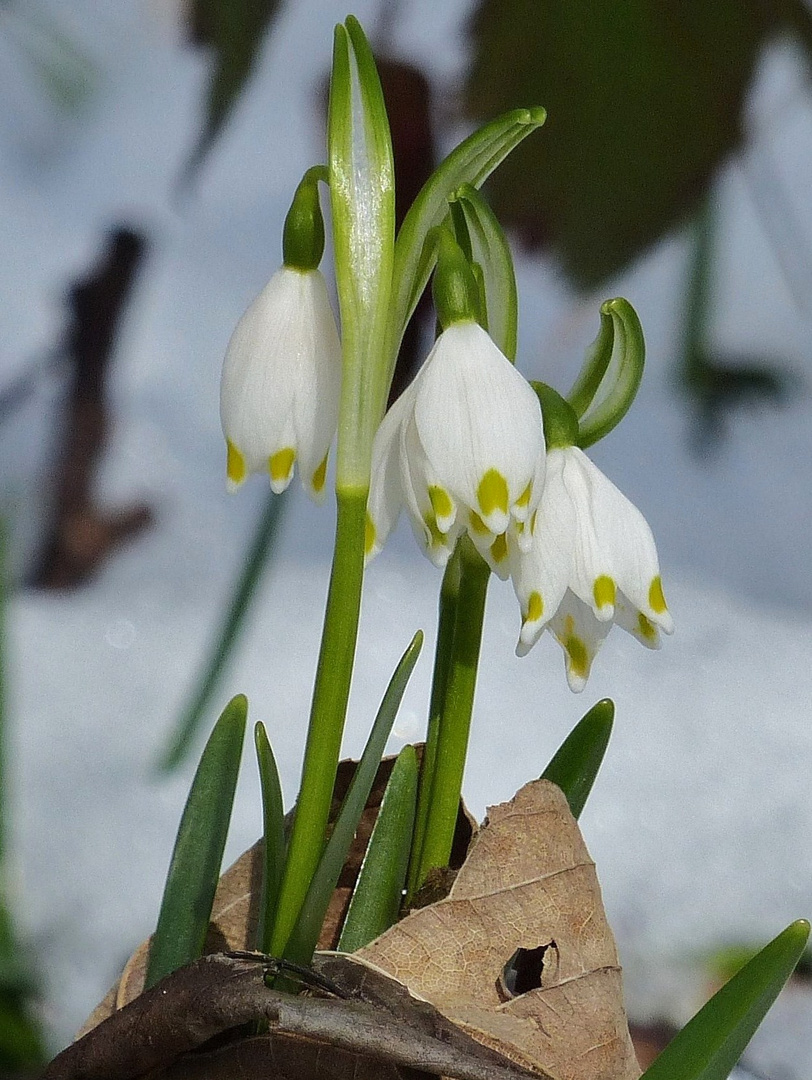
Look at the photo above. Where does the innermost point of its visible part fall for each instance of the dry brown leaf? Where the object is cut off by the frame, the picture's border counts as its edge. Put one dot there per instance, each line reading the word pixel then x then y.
pixel 235 911
pixel 528 882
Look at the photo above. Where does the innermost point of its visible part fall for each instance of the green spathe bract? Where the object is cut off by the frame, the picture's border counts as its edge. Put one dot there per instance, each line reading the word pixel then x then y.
pixel 471 162
pixel 489 250
pixel 610 377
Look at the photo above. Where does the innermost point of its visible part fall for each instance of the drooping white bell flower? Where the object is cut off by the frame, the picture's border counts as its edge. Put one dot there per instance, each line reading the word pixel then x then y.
pixel 592 562
pixel 279 393
pixel 462 448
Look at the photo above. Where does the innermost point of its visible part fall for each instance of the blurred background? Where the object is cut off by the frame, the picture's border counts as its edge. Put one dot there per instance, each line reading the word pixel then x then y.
pixel 148 154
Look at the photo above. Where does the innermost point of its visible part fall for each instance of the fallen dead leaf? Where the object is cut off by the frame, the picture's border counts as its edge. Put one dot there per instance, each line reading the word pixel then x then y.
pixel 235 910
pixel 528 884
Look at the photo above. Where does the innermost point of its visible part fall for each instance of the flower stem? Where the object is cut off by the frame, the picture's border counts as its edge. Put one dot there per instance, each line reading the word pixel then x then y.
pixel 328 712
pixel 449 594
pixel 452 729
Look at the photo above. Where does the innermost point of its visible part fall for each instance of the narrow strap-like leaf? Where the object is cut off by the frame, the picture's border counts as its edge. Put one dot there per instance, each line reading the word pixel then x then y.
pixel 378 891
pixel 491 251
pixel 195 866
pixel 623 371
pixel 273 817
pixel 576 762
pixel 471 162
pixel 709 1046
pixel 305 934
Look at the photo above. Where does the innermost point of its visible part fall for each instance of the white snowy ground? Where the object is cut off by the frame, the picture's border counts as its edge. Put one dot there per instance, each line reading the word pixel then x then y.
pixel 701 820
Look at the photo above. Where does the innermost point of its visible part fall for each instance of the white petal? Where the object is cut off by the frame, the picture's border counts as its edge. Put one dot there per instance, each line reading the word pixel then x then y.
pixel 415 480
pixel 280 386
pixel 523 510
pixel 256 397
pixel 634 622
pixel 624 535
pixel 479 423
pixel 541 575
pixel 385 490
pixel 317 376
pixel 580 635
pixel 592 563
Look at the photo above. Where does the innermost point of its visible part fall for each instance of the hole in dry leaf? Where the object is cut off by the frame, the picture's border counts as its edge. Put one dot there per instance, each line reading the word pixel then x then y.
pixel 523 971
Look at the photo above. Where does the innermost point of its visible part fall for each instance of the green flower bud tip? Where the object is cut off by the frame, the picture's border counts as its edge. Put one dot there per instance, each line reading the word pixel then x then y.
pixel 456 294
pixel 560 419
pixel 303 235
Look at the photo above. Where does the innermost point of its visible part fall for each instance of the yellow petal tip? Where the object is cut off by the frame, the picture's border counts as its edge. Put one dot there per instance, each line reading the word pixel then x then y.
pixel 236 469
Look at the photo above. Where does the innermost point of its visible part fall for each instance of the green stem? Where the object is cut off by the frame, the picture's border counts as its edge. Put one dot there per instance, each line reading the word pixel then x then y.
pixel 328 712
pixel 449 593
pixel 455 723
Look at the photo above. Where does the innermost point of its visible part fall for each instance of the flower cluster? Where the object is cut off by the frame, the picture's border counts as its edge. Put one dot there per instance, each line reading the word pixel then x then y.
pixel 463 450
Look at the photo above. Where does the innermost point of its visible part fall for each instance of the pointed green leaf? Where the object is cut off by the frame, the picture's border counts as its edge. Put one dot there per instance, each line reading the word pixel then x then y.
pixel 195 865
pixel 378 891
pixel 305 934
pixel 709 1046
pixel 576 762
pixel 470 163
pixel 228 633
pixel 273 817
pixel 491 251
pixel 618 387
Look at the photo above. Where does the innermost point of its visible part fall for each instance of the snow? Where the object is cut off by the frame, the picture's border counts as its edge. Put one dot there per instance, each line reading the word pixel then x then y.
pixel 701 817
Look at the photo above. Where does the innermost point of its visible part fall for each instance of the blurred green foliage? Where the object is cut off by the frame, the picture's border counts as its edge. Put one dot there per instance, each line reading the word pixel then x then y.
pixel 644 100
pixel 234 31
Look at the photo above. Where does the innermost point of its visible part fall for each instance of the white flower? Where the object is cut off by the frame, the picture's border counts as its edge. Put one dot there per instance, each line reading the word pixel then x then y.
pixel 462 447
pixel 592 561
pixel 281 382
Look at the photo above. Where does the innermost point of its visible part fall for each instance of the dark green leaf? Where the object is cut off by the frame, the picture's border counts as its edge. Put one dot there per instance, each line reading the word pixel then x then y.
pixel 378 891
pixel 305 934
pixel 709 1046
pixel 645 103
pixel 195 866
pixel 273 816
pixel 576 762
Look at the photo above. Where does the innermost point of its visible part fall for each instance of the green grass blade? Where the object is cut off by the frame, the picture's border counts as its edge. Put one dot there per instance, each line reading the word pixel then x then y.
pixel 195 866
pixel 378 892
pixel 192 716
pixel 305 933
pixel 576 762
pixel 709 1046
pixel 273 816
